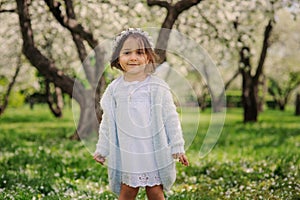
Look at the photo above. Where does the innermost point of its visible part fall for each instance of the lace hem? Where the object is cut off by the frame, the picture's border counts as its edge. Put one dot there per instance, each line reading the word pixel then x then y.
pixel 141 179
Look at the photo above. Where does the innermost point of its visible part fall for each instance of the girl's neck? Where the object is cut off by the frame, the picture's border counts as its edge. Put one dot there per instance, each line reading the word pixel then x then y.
pixel 131 77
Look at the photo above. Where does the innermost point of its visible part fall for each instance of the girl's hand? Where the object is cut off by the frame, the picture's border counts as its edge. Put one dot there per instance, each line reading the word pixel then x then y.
pixel 98 158
pixel 182 158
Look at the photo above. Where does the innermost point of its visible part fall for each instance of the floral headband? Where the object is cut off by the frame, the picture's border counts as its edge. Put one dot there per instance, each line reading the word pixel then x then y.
pixel 131 31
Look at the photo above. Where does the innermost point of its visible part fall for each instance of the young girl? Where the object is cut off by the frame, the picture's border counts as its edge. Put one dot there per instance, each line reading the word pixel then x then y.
pixel 140 133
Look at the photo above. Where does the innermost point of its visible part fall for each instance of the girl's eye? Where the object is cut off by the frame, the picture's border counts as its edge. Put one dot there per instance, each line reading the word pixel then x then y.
pixel 141 52
pixel 126 53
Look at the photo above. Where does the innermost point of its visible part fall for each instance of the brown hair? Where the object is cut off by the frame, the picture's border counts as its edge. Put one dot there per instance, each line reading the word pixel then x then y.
pixel 150 67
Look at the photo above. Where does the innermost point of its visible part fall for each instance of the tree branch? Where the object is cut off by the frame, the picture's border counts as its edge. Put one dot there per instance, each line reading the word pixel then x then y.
pixel 183 5
pixel 44 65
pixel 89 72
pixel 232 79
pixel 70 23
pixel 55 107
pixel 173 11
pixel 10 86
pixel 8 10
pixel 79 34
pixel 163 4
pixel 264 50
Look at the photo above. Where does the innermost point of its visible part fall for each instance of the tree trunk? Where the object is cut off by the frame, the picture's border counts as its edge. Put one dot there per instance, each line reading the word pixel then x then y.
pixel 281 106
pixel 201 101
pixel 297 112
pixel 249 99
pixel 250 83
pixel 79 35
pixel 88 121
pixel 90 112
pixel 249 87
pixel 218 104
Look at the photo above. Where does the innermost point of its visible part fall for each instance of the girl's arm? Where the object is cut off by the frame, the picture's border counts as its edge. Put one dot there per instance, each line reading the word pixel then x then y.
pixel 102 148
pixel 100 159
pixel 182 158
pixel 173 128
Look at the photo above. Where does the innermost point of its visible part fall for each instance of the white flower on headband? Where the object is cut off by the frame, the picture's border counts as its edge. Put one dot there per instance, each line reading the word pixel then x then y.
pixel 131 31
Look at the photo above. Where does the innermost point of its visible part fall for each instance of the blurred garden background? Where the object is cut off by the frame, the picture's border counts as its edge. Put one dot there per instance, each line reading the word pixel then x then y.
pixel 54 56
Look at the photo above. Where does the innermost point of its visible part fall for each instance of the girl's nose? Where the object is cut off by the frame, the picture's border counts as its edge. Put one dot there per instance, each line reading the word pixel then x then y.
pixel 133 56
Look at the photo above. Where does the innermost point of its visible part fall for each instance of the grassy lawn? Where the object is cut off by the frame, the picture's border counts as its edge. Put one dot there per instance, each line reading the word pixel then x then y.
pixel 250 161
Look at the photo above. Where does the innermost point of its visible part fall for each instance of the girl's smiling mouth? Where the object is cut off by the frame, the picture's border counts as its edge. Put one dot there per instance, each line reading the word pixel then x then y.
pixel 133 64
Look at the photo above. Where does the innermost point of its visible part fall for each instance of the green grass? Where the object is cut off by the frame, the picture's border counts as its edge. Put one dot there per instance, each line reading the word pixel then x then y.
pixel 250 161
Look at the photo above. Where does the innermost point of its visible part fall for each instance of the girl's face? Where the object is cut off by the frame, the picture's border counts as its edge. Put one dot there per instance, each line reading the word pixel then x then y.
pixel 133 58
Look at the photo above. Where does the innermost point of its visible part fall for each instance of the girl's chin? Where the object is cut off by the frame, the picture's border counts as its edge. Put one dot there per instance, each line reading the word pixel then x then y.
pixel 135 70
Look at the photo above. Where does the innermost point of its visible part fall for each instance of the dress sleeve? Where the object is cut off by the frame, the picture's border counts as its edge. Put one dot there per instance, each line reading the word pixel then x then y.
pixel 172 124
pixel 102 146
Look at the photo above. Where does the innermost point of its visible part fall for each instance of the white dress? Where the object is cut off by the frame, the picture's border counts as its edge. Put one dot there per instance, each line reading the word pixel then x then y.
pixel 133 114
